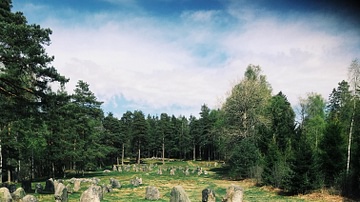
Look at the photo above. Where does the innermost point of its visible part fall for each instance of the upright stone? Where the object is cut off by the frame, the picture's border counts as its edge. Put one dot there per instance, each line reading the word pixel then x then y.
pixel 152 193
pixel 49 186
pixel 159 171
pixel 26 184
pixel 172 171
pixel 5 195
pixel 178 194
pixel 114 168
pixel 18 194
pixel 234 193
pixel 115 183
pixel 136 182
pixel 77 185
pixel 61 194
pixel 38 188
pixel 208 195
pixel 29 198
pixel 91 195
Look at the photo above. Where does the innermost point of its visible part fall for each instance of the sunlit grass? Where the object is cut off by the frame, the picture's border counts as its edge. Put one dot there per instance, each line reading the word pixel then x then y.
pixel 192 184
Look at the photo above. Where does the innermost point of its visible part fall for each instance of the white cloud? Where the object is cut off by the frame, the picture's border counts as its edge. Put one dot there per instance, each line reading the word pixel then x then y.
pixel 176 66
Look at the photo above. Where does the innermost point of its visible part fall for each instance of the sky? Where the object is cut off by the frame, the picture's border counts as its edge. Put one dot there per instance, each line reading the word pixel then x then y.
pixel 173 56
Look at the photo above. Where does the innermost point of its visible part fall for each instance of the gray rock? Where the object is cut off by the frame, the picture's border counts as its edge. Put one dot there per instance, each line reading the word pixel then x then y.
pixel 172 171
pixel 208 195
pixel 178 194
pixel 26 184
pixel 18 194
pixel 152 193
pixel 49 186
pixel 136 182
pixel 91 194
pixel 115 183
pixel 5 195
pixel 29 198
pixel 61 194
pixel 77 185
pixel 39 188
pixel 234 193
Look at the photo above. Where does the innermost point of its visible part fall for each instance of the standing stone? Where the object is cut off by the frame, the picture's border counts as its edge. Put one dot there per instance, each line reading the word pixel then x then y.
pixel 178 194
pixel 95 180
pixel 106 188
pixel 114 168
pixel 5 195
pixel 91 195
pixel 172 172
pixel 38 188
pixel 26 184
pixel 159 171
pixel 115 183
pixel 61 194
pixel 11 187
pixel 77 185
pixel 187 172
pixel 49 186
pixel 234 193
pixel 119 169
pixel 136 182
pixel 69 188
pixel 18 194
pixel 29 198
pixel 152 193
pixel 208 195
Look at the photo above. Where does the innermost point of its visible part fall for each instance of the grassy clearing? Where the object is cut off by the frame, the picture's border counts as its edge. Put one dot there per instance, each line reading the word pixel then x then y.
pixel 193 185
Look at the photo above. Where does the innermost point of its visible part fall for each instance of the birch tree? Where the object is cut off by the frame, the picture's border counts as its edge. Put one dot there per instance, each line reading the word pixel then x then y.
pixel 354 81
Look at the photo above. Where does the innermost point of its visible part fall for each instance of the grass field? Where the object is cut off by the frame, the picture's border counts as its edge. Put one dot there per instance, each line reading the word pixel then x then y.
pixel 193 184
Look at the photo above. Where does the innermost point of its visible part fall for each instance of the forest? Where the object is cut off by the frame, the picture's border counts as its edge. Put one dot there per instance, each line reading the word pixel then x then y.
pixel 256 133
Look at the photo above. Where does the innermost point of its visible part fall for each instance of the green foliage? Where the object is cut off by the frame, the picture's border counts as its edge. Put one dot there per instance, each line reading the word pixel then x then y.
pixel 245 155
pixel 305 168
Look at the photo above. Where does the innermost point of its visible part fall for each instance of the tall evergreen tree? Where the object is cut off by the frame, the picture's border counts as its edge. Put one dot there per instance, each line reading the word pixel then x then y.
pixel 25 70
pixel 139 130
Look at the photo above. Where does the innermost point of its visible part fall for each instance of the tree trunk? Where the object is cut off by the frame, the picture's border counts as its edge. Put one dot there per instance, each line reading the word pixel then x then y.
pixel 194 151
pixel 139 154
pixel 53 169
pixel 163 151
pixel 32 165
pixel 350 137
pixel 1 163
pixel 9 176
pixel 123 154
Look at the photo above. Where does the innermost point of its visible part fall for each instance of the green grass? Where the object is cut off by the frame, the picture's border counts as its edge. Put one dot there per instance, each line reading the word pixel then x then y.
pixel 193 184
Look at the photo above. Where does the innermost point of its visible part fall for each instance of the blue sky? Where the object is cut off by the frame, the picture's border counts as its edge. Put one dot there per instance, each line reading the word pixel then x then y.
pixel 175 55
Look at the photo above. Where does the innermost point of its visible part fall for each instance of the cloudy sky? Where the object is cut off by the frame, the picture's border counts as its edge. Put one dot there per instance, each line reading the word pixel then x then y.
pixel 175 55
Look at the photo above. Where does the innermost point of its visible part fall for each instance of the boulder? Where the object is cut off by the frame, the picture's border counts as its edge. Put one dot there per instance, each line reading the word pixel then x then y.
pixel 29 198
pixel 5 195
pixel 61 194
pixel 49 186
pixel 91 194
pixel 136 182
pixel 39 188
pixel 178 194
pixel 77 185
pixel 234 193
pixel 26 184
pixel 152 193
pixel 208 195
pixel 18 194
pixel 115 183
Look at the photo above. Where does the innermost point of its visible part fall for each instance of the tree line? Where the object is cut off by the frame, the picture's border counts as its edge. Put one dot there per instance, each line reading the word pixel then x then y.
pixel 256 133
